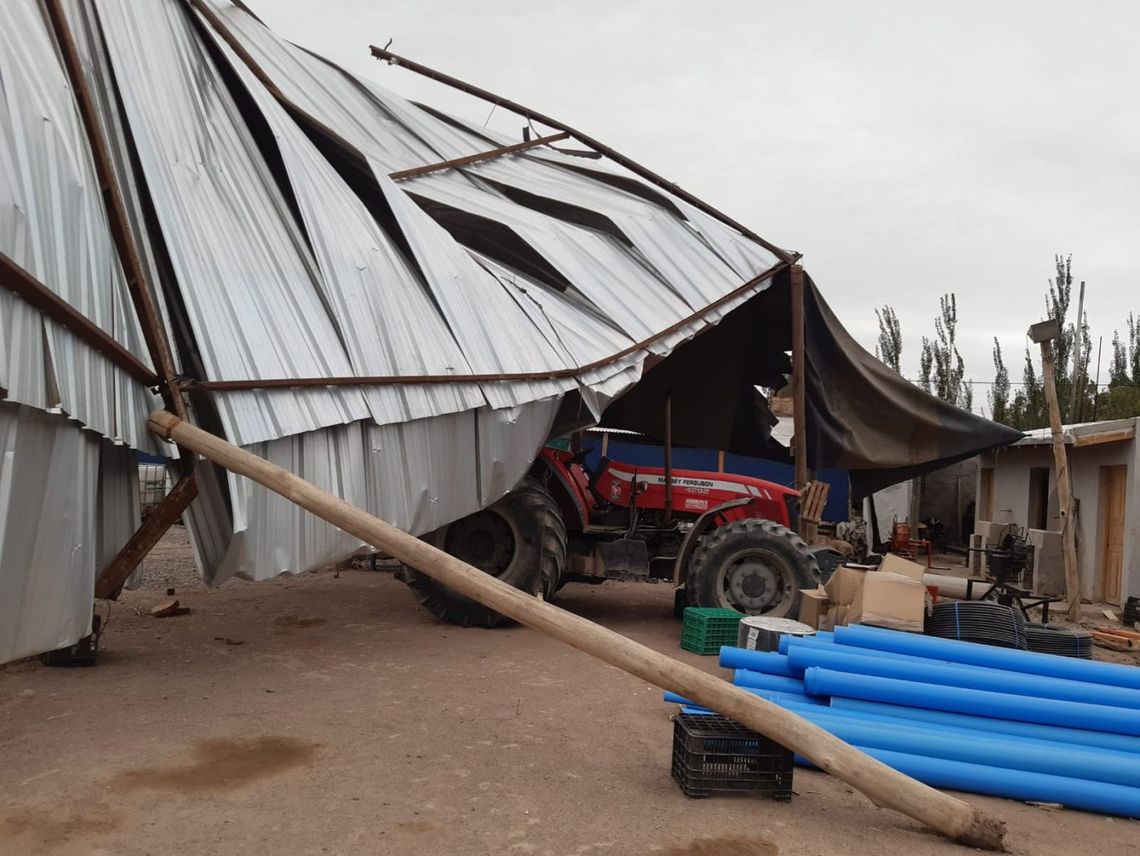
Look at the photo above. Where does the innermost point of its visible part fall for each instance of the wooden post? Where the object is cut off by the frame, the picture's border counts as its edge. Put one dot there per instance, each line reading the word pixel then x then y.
pixel 883 785
pixel 111 578
pixel 1064 488
pixel 799 398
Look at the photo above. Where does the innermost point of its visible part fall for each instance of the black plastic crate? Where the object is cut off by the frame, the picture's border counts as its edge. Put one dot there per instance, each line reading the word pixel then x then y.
pixel 714 754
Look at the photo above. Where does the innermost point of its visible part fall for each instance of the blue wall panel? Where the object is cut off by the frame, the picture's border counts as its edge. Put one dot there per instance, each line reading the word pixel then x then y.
pixel 649 455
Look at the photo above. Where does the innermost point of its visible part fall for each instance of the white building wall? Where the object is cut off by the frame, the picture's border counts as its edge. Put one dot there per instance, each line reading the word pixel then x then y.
pixel 1011 502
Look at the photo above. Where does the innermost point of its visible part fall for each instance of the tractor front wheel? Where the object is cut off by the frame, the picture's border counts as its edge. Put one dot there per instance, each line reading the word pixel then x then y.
pixel 521 539
pixel 753 566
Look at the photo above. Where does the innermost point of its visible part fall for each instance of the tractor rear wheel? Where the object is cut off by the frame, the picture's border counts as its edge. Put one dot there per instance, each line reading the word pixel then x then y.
pixel 753 566
pixel 521 539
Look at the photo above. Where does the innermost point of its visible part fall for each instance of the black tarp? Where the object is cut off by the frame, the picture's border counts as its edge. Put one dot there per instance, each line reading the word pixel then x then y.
pixel 861 415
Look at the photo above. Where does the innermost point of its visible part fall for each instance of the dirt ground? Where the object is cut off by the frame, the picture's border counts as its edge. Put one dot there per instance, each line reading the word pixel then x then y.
pixel 327 714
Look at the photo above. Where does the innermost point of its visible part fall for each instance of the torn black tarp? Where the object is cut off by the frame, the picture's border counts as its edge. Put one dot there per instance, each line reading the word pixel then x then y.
pixel 865 417
pixel 861 415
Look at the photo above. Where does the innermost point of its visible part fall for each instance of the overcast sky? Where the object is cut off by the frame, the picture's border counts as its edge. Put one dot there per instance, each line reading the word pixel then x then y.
pixel 906 149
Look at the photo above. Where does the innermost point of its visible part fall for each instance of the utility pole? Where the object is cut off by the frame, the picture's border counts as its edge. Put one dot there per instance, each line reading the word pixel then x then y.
pixel 1044 333
pixel 1077 345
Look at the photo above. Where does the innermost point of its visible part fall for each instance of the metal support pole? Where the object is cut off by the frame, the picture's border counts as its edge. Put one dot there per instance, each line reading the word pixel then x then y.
pixel 668 513
pixel 799 396
pixel 141 294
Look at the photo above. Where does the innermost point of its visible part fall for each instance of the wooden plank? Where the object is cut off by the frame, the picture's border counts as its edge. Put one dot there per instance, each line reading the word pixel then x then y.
pixel 477 158
pixel 111 578
pixel 1105 437
pixel 884 786
pixel 1113 490
pixel 1064 488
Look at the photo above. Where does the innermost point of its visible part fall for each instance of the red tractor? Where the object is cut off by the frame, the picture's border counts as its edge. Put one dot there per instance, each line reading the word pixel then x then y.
pixel 722 539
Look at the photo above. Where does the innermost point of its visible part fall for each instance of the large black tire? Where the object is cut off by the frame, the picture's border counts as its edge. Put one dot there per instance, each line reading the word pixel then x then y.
pixel 753 566
pixel 521 539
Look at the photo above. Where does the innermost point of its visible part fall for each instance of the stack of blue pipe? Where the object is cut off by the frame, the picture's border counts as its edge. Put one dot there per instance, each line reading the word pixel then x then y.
pixel 964 716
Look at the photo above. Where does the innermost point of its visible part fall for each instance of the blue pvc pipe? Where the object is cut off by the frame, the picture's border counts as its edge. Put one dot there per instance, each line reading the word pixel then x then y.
pixel 774 683
pixel 768 662
pixel 845 659
pixel 1092 717
pixel 808 642
pixel 1004 751
pixel 970 653
pixel 964 722
pixel 1098 797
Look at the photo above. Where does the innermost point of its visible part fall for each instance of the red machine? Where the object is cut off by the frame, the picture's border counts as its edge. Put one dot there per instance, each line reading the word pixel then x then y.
pixel 722 539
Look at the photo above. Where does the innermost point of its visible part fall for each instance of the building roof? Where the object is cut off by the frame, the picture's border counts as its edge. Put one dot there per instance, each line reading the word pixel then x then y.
pixel 1084 433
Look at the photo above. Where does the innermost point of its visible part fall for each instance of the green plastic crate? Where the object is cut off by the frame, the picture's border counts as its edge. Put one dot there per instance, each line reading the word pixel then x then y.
pixel 706 629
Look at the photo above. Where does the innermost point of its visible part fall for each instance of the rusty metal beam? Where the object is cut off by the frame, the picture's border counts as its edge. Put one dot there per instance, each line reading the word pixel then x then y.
pixel 24 285
pixel 397 380
pixel 111 579
pixel 481 156
pixel 601 148
pixel 141 294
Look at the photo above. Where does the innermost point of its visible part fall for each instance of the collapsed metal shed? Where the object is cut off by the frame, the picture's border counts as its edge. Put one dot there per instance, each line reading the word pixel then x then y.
pixel 395 304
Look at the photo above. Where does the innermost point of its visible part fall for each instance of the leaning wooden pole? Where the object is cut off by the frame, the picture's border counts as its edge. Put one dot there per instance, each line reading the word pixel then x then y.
pixel 1064 487
pixel 885 787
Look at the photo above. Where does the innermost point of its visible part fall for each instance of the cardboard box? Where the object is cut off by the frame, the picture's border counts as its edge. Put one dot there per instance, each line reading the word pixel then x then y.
pixel 813 606
pixel 889 600
pixel 893 564
pixel 844 585
pixel 827 620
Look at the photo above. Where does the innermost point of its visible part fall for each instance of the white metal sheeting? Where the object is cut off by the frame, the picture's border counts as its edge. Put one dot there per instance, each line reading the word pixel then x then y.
pixel 52 223
pixel 68 502
pixel 282 248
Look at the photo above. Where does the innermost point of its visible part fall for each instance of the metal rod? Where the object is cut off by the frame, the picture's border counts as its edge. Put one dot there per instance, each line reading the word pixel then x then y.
pixel 799 397
pixel 23 284
pixel 667 515
pixel 397 380
pixel 141 294
pixel 612 154
pixel 476 158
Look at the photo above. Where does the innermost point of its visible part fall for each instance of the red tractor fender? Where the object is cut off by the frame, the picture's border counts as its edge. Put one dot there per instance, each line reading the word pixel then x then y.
pixel 702 525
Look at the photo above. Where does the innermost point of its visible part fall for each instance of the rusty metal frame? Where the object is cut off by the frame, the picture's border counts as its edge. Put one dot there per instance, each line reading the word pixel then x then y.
pixel 403 380
pixel 614 155
pixel 118 570
pixel 477 158
pixel 24 285
pixel 141 295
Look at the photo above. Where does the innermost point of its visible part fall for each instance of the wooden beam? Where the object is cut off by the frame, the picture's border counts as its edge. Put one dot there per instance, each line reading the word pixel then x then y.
pixel 477 158
pixel 884 786
pixel 111 579
pixel 24 285
pixel 799 397
pixel 1105 437
pixel 141 295
pixel 1064 488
